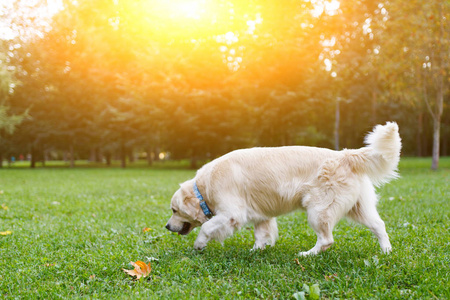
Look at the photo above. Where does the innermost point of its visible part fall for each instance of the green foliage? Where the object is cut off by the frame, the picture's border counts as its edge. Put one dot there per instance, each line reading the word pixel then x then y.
pixel 74 230
pixel 122 75
pixel 8 122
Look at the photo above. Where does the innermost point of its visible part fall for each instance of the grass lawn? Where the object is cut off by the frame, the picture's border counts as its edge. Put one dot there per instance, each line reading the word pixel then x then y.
pixel 73 230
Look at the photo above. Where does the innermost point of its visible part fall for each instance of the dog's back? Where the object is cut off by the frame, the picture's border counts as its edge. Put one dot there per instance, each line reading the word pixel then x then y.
pixel 275 179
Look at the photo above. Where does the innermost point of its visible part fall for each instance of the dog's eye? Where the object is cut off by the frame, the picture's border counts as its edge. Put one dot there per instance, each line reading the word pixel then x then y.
pixel 174 210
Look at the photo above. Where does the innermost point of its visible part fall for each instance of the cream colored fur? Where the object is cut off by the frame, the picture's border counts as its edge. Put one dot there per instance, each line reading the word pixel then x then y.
pixel 258 184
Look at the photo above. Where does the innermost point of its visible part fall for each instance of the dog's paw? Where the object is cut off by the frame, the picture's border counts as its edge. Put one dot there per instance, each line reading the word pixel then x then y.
pixel 387 250
pixel 307 253
pixel 199 246
pixel 258 247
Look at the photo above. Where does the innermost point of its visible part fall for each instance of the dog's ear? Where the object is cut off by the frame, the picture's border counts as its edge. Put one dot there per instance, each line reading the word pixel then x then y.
pixel 194 210
pixel 200 216
pixel 192 204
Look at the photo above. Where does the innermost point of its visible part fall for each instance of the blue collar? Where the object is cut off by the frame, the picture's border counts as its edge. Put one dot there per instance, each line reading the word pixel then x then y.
pixel 203 205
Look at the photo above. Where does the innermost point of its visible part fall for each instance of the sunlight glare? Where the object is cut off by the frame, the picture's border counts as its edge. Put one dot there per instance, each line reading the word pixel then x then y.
pixel 329 7
pixel 190 9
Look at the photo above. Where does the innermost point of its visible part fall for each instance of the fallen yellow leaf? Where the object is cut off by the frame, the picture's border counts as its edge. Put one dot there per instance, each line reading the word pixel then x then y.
pixel 4 206
pixel 141 269
pixel 7 232
pixel 146 229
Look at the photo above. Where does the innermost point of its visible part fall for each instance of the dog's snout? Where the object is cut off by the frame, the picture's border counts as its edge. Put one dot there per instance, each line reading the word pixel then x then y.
pixel 168 226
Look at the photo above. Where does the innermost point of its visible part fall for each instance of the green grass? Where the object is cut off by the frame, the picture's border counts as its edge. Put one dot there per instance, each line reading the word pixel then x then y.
pixel 73 230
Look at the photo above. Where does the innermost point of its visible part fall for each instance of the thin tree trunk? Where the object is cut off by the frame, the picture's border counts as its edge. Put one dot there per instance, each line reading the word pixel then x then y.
pixel 336 126
pixel 149 156
pixel 436 140
pixel 156 153
pixel 419 143
pixel 123 155
pixel 437 124
pixel 43 156
pixel 72 158
pixel 131 155
pixel 1 160
pixel 108 158
pixel 43 159
pixel 46 155
pixel 439 97
pixel 33 157
pixel 92 155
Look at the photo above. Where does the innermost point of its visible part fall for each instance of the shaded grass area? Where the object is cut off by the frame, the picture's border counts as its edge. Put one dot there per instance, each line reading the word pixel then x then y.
pixel 141 163
pixel 73 230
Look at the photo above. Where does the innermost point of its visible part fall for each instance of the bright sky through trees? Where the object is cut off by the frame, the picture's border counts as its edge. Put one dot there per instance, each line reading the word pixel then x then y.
pixel 195 20
pixel 190 19
pixel 34 15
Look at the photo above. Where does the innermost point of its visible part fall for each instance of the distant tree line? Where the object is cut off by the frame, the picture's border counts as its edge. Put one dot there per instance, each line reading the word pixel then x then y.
pixel 109 79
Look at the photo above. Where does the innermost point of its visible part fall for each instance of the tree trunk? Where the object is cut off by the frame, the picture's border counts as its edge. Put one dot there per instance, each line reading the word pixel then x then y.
pixel 419 143
pixel 436 140
pixel 33 157
pixel 437 123
pixel 336 126
pixel 43 159
pixel 42 156
pixel 46 155
pixel 123 155
pixel 440 95
pixel 156 153
pixel 72 158
pixel 149 156
pixel 1 160
pixel 108 158
pixel 92 155
pixel 131 155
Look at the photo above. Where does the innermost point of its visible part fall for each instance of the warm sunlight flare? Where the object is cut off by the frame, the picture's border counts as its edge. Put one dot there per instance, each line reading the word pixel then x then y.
pixel 187 9
pixel 178 9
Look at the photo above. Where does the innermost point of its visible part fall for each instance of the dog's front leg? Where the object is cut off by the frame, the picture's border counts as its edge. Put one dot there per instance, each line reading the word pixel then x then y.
pixel 218 228
pixel 266 233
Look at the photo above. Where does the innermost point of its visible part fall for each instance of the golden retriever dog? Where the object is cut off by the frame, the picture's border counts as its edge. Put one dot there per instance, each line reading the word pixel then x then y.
pixel 256 185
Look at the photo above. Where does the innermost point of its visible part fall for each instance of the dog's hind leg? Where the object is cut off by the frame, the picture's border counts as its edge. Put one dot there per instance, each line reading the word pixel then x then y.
pixel 266 233
pixel 365 212
pixel 218 228
pixel 322 222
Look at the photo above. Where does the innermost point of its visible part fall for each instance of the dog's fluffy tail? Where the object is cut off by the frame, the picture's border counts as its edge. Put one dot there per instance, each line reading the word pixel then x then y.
pixel 379 159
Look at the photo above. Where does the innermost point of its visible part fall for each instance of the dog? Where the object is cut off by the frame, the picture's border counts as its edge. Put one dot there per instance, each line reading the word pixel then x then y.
pixel 258 184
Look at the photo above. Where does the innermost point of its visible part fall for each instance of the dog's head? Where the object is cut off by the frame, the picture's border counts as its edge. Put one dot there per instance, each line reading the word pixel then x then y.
pixel 186 210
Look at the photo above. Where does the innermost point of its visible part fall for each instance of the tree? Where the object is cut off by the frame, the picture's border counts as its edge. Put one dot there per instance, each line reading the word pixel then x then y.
pixel 8 121
pixel 415 47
